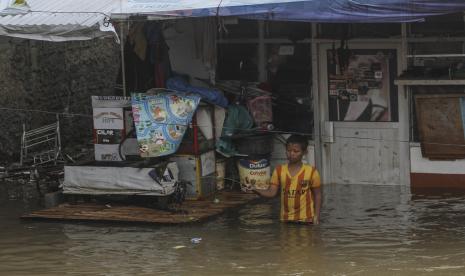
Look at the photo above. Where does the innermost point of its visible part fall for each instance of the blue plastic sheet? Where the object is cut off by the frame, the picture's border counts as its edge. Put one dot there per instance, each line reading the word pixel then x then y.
pixel 210 95
pixel 292 10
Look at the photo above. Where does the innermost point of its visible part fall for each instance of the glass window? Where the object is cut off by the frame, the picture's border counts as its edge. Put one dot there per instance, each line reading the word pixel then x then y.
pixel 377 30
pixel 333 30
pixel 293 31
pixel 289 69
pixel 289 62
pixel 444 25
pixel 237 62
pixel 359 30
pixel 234 28
pixel 449 47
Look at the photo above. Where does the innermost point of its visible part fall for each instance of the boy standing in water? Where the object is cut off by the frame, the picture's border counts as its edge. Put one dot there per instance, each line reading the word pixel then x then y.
pixel 299 184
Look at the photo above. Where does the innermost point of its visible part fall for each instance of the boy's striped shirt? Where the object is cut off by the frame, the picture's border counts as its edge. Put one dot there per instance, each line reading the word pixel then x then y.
pixel 296 196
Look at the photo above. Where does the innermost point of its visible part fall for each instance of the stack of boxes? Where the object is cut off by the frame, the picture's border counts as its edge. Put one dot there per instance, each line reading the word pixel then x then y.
pixel 112 122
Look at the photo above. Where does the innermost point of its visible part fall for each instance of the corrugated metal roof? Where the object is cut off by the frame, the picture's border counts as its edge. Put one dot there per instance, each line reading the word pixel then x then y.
pixel 74 6
pixel 60 20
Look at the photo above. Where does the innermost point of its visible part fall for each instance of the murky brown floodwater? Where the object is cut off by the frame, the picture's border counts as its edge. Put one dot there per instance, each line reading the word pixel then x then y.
pixel 365 230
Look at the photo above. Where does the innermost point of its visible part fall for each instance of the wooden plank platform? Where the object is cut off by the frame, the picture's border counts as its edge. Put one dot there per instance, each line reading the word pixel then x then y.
pixel 188 212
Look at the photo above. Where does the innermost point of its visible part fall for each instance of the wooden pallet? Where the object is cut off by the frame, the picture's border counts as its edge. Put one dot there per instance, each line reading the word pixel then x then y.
pixel 189 211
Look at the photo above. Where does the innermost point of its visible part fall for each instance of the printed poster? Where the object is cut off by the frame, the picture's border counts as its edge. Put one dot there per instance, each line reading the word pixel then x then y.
pixel 362 89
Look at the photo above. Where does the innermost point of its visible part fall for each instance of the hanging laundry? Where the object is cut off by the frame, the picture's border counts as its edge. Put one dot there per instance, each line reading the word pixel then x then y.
pixel 205 37
pixel 157 53
pixel 138 71
pixel 137 39
pixel 161 119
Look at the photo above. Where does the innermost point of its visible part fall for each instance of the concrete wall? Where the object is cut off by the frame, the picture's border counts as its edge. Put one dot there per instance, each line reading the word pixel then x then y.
pixel 419 164
pixel 61 77
pixel 54 77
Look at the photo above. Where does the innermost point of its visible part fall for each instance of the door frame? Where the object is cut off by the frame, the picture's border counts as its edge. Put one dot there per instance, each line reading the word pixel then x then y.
pixel 323 109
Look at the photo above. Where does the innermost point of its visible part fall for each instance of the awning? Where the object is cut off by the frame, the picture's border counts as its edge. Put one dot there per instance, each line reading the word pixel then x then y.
pixel 361 11
pixel 63 20
pixel 57 20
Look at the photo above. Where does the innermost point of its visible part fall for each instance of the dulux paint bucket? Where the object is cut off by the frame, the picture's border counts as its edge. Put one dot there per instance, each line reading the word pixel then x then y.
pixel 254 173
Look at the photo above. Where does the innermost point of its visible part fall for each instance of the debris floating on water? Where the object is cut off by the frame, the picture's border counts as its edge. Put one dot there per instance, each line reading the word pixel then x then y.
pixel 196 240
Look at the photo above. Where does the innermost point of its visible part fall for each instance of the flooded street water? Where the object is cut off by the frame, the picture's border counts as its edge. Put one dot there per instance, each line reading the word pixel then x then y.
pixel 365 230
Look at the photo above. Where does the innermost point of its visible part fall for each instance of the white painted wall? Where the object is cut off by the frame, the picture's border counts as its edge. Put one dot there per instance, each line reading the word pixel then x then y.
pixel 419 164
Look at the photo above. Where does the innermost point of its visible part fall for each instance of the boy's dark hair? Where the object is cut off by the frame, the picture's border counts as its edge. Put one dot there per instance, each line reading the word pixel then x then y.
pixel 298 139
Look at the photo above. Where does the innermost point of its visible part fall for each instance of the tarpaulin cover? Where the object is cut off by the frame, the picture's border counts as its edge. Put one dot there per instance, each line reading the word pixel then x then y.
pixel 64 20
pixel 210 95
pixel 292 10
pixel 161 120
pixel 237 120
pixel 105 180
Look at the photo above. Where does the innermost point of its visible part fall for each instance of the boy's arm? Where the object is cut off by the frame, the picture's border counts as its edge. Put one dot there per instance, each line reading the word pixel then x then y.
pixel 317 201
pixel 272 191
pixel 316 193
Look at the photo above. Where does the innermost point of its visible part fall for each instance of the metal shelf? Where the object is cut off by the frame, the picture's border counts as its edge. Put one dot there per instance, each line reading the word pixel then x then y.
pixel 436 56
pixel 428 82
pixel 435 39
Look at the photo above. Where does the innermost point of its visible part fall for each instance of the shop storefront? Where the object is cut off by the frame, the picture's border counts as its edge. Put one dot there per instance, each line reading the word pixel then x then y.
pixel 319 70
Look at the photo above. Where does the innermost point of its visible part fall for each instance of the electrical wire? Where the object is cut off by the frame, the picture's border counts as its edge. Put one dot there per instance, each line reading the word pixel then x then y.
pixel 248 130
pixel 65 114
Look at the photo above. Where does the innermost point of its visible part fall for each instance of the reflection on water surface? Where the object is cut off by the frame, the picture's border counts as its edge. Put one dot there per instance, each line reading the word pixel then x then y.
pixel 365 230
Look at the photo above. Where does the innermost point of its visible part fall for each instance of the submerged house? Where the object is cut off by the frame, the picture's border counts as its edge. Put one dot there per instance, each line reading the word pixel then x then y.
pixel 378 86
